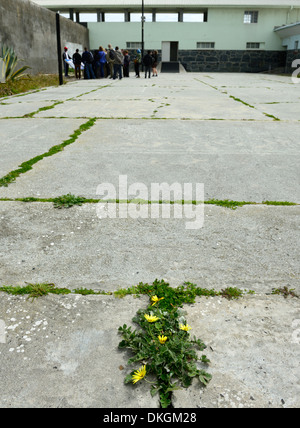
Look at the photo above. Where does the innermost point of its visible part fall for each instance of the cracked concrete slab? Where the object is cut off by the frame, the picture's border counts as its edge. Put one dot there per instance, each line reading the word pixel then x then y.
pixel 253 346
pixel 208 152
pixel 20 108
pixel 65 354
pixel 20 142
pixel 254 247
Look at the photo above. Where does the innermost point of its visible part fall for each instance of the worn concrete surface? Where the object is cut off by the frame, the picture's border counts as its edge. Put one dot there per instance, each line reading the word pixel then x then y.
pixel 186 128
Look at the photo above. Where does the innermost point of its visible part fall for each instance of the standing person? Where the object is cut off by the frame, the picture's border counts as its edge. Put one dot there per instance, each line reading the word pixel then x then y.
pixel 126 64
pixel 66 65
pixel 110 56
pixel 77 59
pixel 102 59
pixel 137 62
pixel 106 66
pixel 96 64
pixel 154 65
pixel 147 61
pixel 118 63
pixel 87 59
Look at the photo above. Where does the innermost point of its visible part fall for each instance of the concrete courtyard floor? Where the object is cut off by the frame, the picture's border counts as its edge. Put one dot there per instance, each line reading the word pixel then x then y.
pixel 235 134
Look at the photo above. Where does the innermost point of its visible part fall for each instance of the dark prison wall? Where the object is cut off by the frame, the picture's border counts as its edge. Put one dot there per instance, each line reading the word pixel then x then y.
pixel 31 31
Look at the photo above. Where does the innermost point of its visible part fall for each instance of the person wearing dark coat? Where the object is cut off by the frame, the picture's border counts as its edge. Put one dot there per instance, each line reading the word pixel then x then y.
pixel 147 61
pixel 77 59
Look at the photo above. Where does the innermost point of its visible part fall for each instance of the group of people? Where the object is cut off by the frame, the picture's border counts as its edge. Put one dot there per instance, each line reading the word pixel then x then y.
pixel 112 63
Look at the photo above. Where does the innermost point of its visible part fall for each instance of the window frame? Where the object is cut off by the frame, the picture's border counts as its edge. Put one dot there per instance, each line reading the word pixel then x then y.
pixel 253 47
pixel 211 47
pixel 133 45
pixel 251 17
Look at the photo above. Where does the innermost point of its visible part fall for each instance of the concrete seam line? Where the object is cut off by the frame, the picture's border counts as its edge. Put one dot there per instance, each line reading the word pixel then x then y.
pixel 27 165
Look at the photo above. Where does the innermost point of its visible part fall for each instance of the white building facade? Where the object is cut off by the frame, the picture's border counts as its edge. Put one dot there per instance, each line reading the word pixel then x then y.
pixel 204 35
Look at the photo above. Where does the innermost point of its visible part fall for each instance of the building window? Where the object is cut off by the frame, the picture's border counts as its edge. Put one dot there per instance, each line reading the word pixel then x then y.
pixel 250 17
pixel 205 45
pixel 133 45
pixel 193 17
pixel 88 17
pixel 167 17
pixel 253 45
pixel 137 17
pixel 114 17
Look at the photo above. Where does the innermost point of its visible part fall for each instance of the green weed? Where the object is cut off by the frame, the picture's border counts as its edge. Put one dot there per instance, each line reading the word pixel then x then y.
pixel 34 290
pixel 285 292
pixel 163 344
pixel 67 201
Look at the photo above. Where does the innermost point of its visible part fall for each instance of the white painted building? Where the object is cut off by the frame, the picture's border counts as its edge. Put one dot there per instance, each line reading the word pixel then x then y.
pixel 211 35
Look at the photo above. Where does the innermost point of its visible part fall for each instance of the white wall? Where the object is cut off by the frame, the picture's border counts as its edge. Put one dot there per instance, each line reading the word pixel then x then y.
pixel 225 27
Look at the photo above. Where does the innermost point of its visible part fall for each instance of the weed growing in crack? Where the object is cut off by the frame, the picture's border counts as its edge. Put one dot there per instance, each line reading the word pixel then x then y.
pixel 163 344
pixel 67 201
pixel 285 292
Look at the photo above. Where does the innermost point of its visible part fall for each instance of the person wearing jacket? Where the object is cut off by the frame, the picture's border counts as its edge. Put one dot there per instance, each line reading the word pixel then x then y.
pixel 110 55
pixel 87 59
pixel 66 56
pixel 154 63
pixel 77 63
pixel 102 59
pixel 126 64
pixel 118 63
pixel 137 62
pixel 147 61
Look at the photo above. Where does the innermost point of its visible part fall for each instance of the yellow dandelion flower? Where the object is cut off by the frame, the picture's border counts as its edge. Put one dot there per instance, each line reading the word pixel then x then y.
pixel 139 374
pixel 151 318
pixel 185 327
pixel 155 299
pixel 162 339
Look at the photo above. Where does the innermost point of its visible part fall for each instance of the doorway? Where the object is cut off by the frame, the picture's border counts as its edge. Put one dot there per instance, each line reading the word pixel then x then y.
pixel 169 51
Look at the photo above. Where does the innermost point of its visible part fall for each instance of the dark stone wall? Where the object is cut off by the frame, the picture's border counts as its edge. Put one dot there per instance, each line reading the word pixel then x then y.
pixel 247 61
pixel 290 57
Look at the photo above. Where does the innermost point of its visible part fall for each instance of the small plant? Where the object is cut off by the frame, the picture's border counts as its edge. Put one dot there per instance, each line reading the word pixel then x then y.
pixel 227 203
pixel 67 201
pixel 163 345
pixel 285 292
pixel 10 60
pixel 86 292
pixel 34 290
pixel 231 293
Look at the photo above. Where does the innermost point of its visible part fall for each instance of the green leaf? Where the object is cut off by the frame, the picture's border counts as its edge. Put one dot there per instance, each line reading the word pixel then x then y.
pixel 128 378
pixel 204 377
pixel 154 390
pixel 204 359
pixel 164 400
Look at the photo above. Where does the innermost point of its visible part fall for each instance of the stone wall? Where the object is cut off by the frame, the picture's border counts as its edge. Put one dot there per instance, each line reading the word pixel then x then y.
pixel 292 55
pixel 31 31
pixel 231 60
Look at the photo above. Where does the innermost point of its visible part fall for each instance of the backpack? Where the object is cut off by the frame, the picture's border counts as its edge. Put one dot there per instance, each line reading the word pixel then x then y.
pixel 111 54
pixel 91 58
